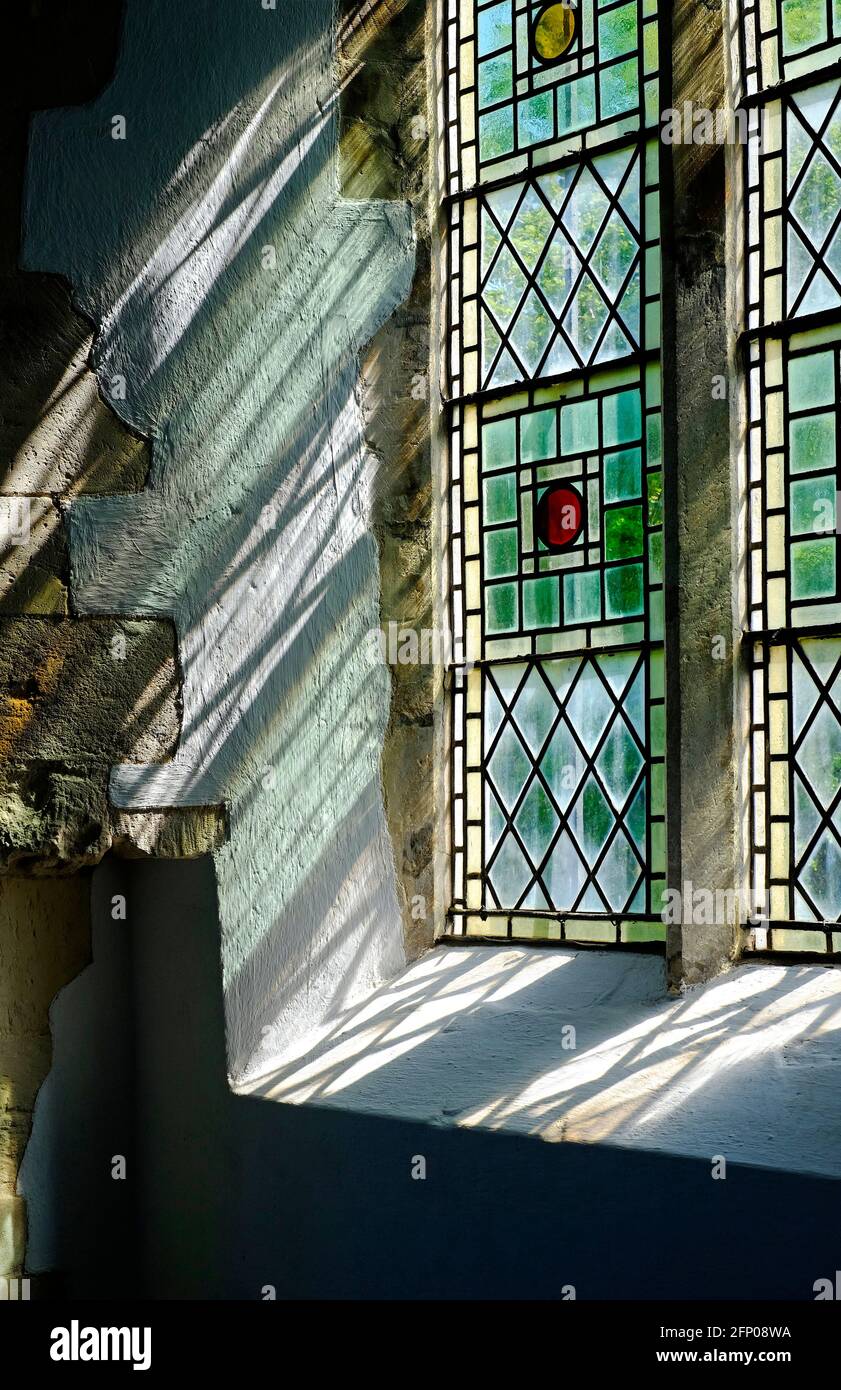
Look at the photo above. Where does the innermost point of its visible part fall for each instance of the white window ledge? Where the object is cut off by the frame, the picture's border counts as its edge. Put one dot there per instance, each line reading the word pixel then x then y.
pixel 747 1066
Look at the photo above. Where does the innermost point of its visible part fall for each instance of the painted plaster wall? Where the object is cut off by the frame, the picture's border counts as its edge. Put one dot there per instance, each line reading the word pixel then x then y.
pixel 234 290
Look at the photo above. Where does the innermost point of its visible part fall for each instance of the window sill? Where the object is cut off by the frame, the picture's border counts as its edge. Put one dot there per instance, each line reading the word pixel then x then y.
pixel 586 1047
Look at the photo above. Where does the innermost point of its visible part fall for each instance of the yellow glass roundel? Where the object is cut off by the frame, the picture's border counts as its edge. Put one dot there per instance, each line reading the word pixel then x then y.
pixel 553 32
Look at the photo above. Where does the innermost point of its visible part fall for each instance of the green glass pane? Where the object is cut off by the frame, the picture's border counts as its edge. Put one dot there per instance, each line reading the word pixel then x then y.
pixel 622 533
pixel 812 505
pixel 650 47
pixel 541 602
pixel 531 229
pixel 563 765
pixel 495 80
pixel 501 605
pixel 537 436
pixel 621 415
pixel 820 656
pixel 821 877
pixel 495 823
pixel 491 238
pixel 652 102
pixel 653 439
pixel 536 822
pixel 500 498
pixel 819 756
pixel 618 763
pixel 576 105
pixel 490 347
pixel 536 710
pixel 658 847
pixel 657 726
pixel 531 333
pixel 585 318
pixel 806 817
pixel 655 558
pixel 790 939
pixel 582 598
pixel 630 308
pixel 656 675
pixel 592 820
pixel 804 24
pixel 500 553
pixel 505 287
pixel 618 32
pixel 613 257
pixel 590 707
pixel 579 427
pixel 812 443
pixel 499 444
pixel 585 211
pixel 622 475
pixel 496 133
pixel 813 569
pixel 635 819
pixel 815 203
pixel 634 705
pixel 619 872
pixel 811 380
pixel 535 119
pixel 509 767
pixel 576 929
pixel 556 276
pixel 623 591
pixel 652 218
pixel 658 789
pixel 635 932
pixel 618 667
pixel 655 499
pixel 619 90
pixel 494 27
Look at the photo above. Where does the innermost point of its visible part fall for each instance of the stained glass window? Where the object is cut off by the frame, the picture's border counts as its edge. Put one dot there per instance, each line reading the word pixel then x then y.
pixel 793 351
pixel 782 40
pixel 556 470
pixel 794 183
pixel 559 273
pixel 530 80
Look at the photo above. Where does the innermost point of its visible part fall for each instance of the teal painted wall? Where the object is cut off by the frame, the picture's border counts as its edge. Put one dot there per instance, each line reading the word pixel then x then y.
pixel 234 288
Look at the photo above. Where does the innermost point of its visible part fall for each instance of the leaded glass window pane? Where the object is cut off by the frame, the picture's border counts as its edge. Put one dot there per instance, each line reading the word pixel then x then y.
pixel 556 472
pixel 793 289
pixel 531 80
pixel 783 40
pixel 794 482
pixel 794 181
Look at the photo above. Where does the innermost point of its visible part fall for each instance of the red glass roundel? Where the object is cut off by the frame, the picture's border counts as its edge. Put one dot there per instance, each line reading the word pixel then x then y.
pixel 559 516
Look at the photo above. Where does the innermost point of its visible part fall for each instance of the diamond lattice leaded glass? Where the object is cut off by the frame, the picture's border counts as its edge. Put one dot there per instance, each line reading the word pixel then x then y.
pixel 560 272
pixel 794 183
pixel 797 787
